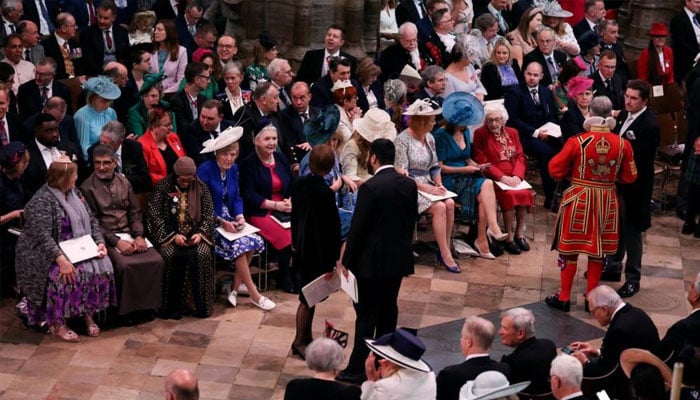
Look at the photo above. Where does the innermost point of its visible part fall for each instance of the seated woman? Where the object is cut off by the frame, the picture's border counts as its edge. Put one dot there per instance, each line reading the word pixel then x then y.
pixel 367 74
pixel 523 36
pixel 499 147
pixel 580 96
pixel 590 53
pixel 211 60
pixel 57 289
pixel 151 93
pixel 181 224
pixel 265 180
pixel 345 97
pixel 395 369
pixel 501 72
pixel 323 356
pixel 415 153
pixel 395 99
pixel 492 382
pixel 375 124
pixel 564 38
pixel 161 146
pixel 90 118
pixel 461 174
pixel 460 73
pixel 14 159
pixel 560 89
pixel 264 51
pixel 233 97
pixel 221 177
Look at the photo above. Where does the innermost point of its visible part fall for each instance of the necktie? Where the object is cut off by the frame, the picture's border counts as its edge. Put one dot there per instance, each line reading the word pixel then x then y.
pixel 501 22
pixel 68 63
pixel 108 40
pixel 118 157
pixel 608 84
pixel 45 14
pixel 4 138
pixel 627 123
pixel 12 28
pixel 284 97
pixel 44 94
pixel 91 11
pixel 326 65
pixel 194 109
pixel 422 10
pixel 192 29
pixel 28 55
pixel 695 21
pixel 535 97
pixel 553 70
pixel 304 116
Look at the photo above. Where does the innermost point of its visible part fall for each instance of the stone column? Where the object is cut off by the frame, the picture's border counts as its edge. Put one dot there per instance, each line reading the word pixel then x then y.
pixel 301 37
pixel 371 25
pixel 354 21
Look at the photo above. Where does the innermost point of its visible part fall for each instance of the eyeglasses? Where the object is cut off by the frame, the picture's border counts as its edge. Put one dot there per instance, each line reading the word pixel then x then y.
pixel 203 76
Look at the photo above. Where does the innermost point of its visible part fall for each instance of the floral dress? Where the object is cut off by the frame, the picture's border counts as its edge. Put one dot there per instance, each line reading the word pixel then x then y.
pixel 232 249
pixel 420 160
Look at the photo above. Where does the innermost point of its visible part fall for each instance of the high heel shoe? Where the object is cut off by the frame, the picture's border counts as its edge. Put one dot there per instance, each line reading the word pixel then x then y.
pixel 484 254
pixel 298 352
pixel 499 238
pixel 455 269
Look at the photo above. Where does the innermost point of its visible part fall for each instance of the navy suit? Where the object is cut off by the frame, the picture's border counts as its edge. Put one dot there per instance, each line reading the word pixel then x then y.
pixel 196 136
pixel 29 96
pixel 34 176
pixel 293 132
pixel 51 49
pixel 407 11
pixel 581 27
pixel 616 94
pixel 31 12
pixel 15 131
pixel 180 106
pixel 679 335
pixel 451 379
pixel 79 11
pixel 536 55
pixel 66 129
pixel 184 36
pixel 684 45
pixel 530 361
pixel 321 94
pixel 93 46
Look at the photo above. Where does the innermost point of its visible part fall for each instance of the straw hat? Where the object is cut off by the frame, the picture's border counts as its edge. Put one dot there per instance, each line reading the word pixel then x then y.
pixel 423 107
pixel 410 72
pixel 375 124
pixel 490 385
pixel 402 348
pixel 228 136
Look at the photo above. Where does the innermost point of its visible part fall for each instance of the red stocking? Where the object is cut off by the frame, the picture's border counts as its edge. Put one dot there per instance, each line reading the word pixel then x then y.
pixel 595 270
pixel 567 266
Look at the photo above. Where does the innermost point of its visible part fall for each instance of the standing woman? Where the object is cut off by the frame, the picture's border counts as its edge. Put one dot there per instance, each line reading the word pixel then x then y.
pixel 221 176
pixel 161 146
pixel 57 289
pixel 14 159
pixel 264 51
pixel 265 181
pixel 97 111
pixel 315 234
pixel 168 56
pixel 655 64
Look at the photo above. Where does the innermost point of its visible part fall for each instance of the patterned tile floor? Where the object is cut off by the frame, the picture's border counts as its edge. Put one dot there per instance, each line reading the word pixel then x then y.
pixel 243 353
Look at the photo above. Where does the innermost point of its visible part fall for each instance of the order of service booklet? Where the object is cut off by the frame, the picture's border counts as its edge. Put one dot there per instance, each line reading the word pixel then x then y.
pixel 320 288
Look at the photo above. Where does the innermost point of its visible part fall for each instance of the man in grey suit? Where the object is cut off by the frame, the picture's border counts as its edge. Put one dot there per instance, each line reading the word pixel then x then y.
pixel 379 250
pixel 29 32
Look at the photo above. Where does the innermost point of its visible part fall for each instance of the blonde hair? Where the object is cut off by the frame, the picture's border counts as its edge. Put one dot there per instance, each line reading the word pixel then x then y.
pixel 60 173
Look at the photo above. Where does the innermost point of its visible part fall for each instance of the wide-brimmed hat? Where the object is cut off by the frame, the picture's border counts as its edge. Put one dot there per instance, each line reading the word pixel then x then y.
pixel 11 154
pixel 490 385
pixel 375 124
pixel 462 109
pixel 423 107
pixel 658 29
pixel 103 87
pixel 225 138
pixel 630 358
pixel 150 80
pixel 410 72
pixel 402 348
pixel 553 9
pixel 588 41
pixel 578 85
pixel 322 125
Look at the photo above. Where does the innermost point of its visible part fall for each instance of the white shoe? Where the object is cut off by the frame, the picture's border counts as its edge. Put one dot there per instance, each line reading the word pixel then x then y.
pixel 243 290
pixel 231 296
pixel 463 248
pixel 264 303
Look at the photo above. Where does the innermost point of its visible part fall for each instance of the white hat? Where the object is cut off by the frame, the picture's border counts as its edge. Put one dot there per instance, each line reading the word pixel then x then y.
pixel 339 84
pixel 490 385
pixel 423 107
pixel 410 72
pixel 225 138
pixel 375 124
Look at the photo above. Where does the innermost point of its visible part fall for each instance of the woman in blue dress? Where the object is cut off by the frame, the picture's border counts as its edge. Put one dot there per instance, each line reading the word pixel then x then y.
pixel 221 176
pixel 461 175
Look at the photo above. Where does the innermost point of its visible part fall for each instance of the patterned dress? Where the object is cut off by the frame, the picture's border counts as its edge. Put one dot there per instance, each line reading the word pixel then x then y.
pixel 420 160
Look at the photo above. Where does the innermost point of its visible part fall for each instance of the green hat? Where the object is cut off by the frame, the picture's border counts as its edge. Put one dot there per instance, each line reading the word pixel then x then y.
pixel 322 125
pixel 149 80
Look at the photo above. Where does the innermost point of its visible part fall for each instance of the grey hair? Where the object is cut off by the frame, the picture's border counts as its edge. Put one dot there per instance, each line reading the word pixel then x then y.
pixel 115 130
pixel 10 4
pixel 496 108
pixel 604 295
pixel 406 27
pixel 324 355
pixel 568 369
pixel 48 61
pixel 430 74
pixel 544 28
pixel 233 66
pixel 275 66
pixel 601 106
pixel 394 90
pixel 522 319
pixel 602 25
pixel 480 330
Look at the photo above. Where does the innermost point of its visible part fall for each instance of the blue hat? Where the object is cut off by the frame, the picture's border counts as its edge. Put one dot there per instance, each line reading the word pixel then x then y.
pixel 322 125
pixel 462 109
pixel 103 87
pixel 402 348
pixel 11 154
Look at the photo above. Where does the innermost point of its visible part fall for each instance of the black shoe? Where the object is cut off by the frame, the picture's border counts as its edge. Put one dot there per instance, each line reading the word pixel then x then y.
pixel 554 302
pixel 348 377
pixel 511 248
pixel 629 289
pixel 697 231
pixel 687 229
pixel 586 307
pixel 522 243
pixel 610 276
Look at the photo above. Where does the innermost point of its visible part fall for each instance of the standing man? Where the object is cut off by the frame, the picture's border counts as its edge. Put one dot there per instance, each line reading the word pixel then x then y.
pixel 638 125
pixel 685 39
pixel 595 11
pixel 316 63
pixel 102 41
pixel 379 251
pixel 63 47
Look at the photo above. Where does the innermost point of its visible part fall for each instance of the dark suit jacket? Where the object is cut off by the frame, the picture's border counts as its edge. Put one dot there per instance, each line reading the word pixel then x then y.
pixel 637 195
pixel 163 9
pixel 35 174
pixel 679 335
pixel 133 165
pixel 571 121
pixel 3 34
pixel 256 181
pixel 530 361
pixel 293 132
pixel 684 45
pixel 451 379
pixel 79 11
pixel 66 129
pixel 621 67
pixel 322 96
pixel 32 13
pixel 508 16
pixel 93 47
pixel 524 115
pixel 180 105
pixel 581 27
pixel 14 129
pixel 381 233
pixel 394 58
pixel 630 328
pixel 250 118
pixel 51 49
pixel 616 95
pixel 312 65
pixel 29 97
pixel 184 36
pixel 491 79
pixel 193 138
pixel 406 11
pixel 536 55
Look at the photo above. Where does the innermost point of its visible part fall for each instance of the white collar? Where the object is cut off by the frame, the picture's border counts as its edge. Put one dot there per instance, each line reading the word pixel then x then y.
pixel 477 355
pixel 336 54
pixel 59 39
pixel 622 304
pixel 689 13
pixel 493 9
pixel 572 395
pixel 603 78
pixel 694 310
pixel 41 146
pixel 637 114
pixel 383 167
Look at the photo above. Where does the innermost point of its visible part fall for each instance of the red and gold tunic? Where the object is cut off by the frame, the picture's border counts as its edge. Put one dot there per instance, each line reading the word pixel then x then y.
pixel 588 220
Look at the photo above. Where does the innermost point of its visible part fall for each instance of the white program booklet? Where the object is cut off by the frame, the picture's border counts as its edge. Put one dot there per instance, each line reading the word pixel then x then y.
pixel 521 186
pixel 79 249
pixel 248 229
pixel 553 129
pixel 438 197
pixel 320 288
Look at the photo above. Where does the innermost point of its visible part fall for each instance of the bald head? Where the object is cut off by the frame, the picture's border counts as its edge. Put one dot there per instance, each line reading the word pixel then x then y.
pixel 118 72
pixel 181 384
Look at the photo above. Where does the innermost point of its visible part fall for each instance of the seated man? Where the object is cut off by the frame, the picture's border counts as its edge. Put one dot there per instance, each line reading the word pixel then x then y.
pixel 408 51
pixel 682 332
pixel 138 268
pixel 208 126
pixel 477 336
pixel 316 63
pixel 292 119
pixel 531 357
pixel 434 83
pixel 57 107
pixel 565 378
pixel 628 327
pixel 321 93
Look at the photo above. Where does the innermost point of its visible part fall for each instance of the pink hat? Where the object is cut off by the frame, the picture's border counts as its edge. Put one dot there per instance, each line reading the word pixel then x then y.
pixel 578 85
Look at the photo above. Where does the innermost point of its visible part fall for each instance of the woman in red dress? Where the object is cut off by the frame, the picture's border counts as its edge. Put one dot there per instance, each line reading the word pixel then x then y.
pixel 499 145
pixel 655 64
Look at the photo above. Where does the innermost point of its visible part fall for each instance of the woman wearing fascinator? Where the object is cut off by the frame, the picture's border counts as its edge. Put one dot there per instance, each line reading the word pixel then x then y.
pixel 580 95
pixel 460 73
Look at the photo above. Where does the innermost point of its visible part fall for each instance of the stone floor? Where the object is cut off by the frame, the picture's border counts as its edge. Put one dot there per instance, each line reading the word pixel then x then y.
pixel 243 353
